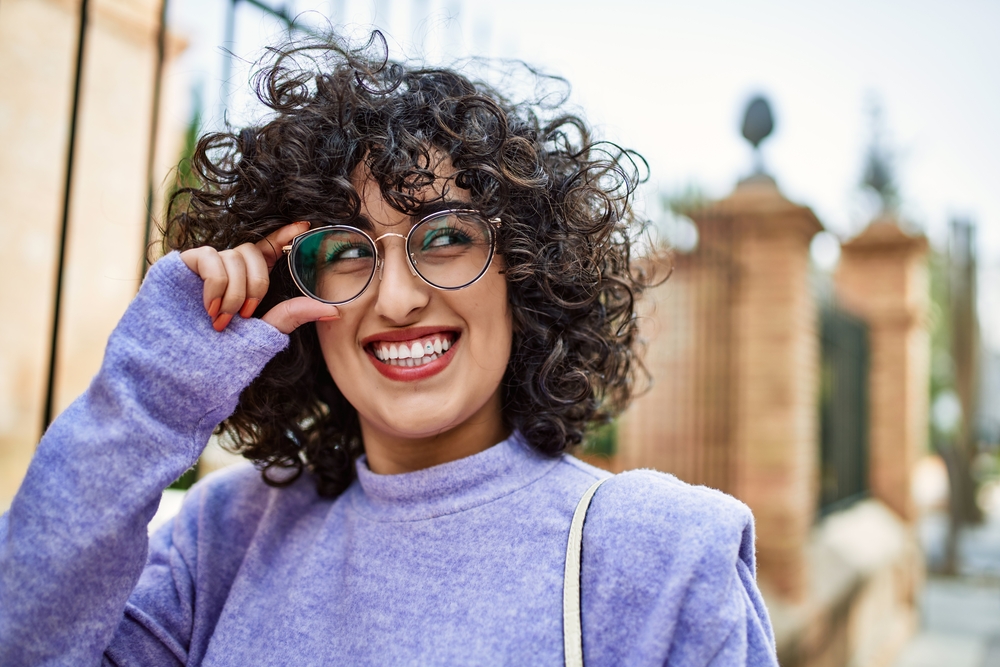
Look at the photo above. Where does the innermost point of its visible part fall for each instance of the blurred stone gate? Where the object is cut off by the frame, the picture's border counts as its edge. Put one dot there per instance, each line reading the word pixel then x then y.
pixel 809 406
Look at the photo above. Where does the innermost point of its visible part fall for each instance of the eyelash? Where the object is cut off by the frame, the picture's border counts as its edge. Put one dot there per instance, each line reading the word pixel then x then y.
pixel 447 231
pixel 332 254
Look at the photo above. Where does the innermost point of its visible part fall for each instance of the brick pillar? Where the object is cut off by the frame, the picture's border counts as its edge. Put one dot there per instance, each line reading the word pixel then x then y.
pixel 882 278
pixel 775 441
pixel 684 423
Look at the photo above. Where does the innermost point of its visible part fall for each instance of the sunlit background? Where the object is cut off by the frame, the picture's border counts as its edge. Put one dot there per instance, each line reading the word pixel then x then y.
pixel 914 85
pixel 671 80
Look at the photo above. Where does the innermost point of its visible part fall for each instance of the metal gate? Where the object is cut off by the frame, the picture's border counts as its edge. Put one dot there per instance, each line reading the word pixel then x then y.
pixel 843 410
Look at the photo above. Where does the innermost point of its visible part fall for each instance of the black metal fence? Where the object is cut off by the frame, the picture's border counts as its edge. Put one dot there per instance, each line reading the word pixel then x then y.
pixel 843 410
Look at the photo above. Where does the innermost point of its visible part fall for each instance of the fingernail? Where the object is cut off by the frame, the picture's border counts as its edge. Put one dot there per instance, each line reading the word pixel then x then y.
pixel 213 308
pixel 249 306
pixel 222 321
pixel 329 318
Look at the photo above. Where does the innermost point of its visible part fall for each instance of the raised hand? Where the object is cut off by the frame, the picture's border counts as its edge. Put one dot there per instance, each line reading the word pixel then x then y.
pixel 236 280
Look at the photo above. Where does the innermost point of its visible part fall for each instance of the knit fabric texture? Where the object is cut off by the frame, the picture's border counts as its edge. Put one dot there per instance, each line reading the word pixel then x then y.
pixel 458 564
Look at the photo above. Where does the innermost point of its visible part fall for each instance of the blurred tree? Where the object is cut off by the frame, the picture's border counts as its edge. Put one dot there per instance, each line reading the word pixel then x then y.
pixel 965 357
pixel 954 377
pixel 879 171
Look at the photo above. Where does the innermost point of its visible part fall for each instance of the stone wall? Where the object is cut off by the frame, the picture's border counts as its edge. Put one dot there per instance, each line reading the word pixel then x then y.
pixel 38 46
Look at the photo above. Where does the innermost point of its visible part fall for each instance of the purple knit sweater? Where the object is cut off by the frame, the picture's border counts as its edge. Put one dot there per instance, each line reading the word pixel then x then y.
pixel 459 564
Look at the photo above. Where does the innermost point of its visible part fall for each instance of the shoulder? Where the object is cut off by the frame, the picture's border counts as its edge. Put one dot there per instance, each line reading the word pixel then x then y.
pixel 651 520
pixel 651 500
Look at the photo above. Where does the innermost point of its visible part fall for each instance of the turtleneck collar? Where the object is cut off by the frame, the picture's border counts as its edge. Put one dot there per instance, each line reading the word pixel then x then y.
pixel 450 487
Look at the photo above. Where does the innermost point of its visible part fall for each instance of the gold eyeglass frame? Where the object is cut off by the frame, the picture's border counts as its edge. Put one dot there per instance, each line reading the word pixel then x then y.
pixel 492 225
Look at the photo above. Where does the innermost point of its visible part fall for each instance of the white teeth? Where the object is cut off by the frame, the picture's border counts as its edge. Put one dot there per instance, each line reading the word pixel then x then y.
pixel 411 362
pixel 417 353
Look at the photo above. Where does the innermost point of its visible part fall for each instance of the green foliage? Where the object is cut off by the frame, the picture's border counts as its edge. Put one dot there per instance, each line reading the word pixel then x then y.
pixel 602 441
pixel 185 176
pixel 685 201
pixel 939 320
pixel 186 480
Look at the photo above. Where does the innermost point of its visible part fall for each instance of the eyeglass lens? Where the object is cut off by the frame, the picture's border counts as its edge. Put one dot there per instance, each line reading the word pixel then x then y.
pixel 448 250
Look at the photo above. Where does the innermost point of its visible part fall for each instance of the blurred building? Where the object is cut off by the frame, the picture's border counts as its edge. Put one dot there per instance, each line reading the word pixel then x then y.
pixel 101 105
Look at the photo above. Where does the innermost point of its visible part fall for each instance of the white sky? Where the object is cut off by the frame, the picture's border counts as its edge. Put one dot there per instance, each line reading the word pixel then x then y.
pixel 671 79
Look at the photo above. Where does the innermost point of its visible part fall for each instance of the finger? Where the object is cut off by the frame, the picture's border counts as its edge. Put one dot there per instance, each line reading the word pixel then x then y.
pixel 236 290
pixel 257 277
pixel 272 244
pixel 207 265
pixel 289 315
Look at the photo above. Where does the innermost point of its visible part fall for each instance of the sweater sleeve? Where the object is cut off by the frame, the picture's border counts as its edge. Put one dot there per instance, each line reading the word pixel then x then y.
pixel 74 542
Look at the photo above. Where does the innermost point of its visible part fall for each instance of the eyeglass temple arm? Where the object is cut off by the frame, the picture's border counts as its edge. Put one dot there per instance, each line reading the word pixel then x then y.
pixel 288 248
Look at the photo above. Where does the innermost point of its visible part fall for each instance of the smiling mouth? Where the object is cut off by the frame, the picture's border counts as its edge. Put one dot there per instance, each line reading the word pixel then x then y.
pixel 413 353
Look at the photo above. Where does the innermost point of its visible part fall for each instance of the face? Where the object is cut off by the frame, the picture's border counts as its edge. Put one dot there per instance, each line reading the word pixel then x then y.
pixel 466 333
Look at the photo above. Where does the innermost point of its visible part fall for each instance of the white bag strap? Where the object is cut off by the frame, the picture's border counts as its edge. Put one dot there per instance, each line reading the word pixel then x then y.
pixel 572 629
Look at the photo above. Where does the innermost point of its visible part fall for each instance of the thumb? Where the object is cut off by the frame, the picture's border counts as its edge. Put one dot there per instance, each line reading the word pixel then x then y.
pixel 289 315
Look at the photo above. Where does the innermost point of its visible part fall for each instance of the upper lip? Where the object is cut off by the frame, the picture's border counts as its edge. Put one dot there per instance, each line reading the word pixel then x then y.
pixel 397 335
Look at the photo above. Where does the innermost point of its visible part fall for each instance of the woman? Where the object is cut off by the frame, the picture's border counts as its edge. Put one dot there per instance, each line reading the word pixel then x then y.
pixel 404 297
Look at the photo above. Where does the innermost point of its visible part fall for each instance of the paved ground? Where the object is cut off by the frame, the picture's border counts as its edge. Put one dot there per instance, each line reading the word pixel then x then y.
pixel 960 615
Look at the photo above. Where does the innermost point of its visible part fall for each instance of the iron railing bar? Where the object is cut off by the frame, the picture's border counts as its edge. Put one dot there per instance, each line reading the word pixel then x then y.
pixel 229 40
pixel 154 130
pixel 64 227
pixel 283 14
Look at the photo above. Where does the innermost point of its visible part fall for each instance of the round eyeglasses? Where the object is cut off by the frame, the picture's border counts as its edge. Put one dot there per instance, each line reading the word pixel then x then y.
pixel 448 250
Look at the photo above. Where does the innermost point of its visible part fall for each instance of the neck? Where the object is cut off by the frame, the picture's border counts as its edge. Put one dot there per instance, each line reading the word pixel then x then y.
pixel 393 454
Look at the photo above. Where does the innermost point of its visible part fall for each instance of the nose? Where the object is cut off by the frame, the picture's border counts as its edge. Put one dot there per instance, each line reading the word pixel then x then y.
pixel 400 292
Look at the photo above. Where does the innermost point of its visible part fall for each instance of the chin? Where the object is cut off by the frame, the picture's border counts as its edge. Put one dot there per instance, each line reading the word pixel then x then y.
pixel 423 419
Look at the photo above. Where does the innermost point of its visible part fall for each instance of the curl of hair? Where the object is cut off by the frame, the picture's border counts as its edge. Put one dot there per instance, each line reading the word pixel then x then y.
pixel 568 223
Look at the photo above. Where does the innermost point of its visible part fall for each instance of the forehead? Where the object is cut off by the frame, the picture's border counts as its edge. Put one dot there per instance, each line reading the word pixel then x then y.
pixel 377 213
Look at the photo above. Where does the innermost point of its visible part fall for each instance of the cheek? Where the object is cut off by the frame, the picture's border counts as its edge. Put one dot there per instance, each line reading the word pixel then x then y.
pixel 491 323
pixel 336 341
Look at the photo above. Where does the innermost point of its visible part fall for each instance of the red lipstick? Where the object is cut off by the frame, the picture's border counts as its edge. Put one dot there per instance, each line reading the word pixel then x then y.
pixel 402 373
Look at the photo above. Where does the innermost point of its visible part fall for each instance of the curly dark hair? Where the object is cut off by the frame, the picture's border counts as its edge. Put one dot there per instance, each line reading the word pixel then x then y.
pixel 566 241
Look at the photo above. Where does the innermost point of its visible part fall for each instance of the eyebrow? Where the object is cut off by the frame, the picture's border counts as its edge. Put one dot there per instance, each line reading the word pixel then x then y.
pixel 361 221
pixel 439 205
